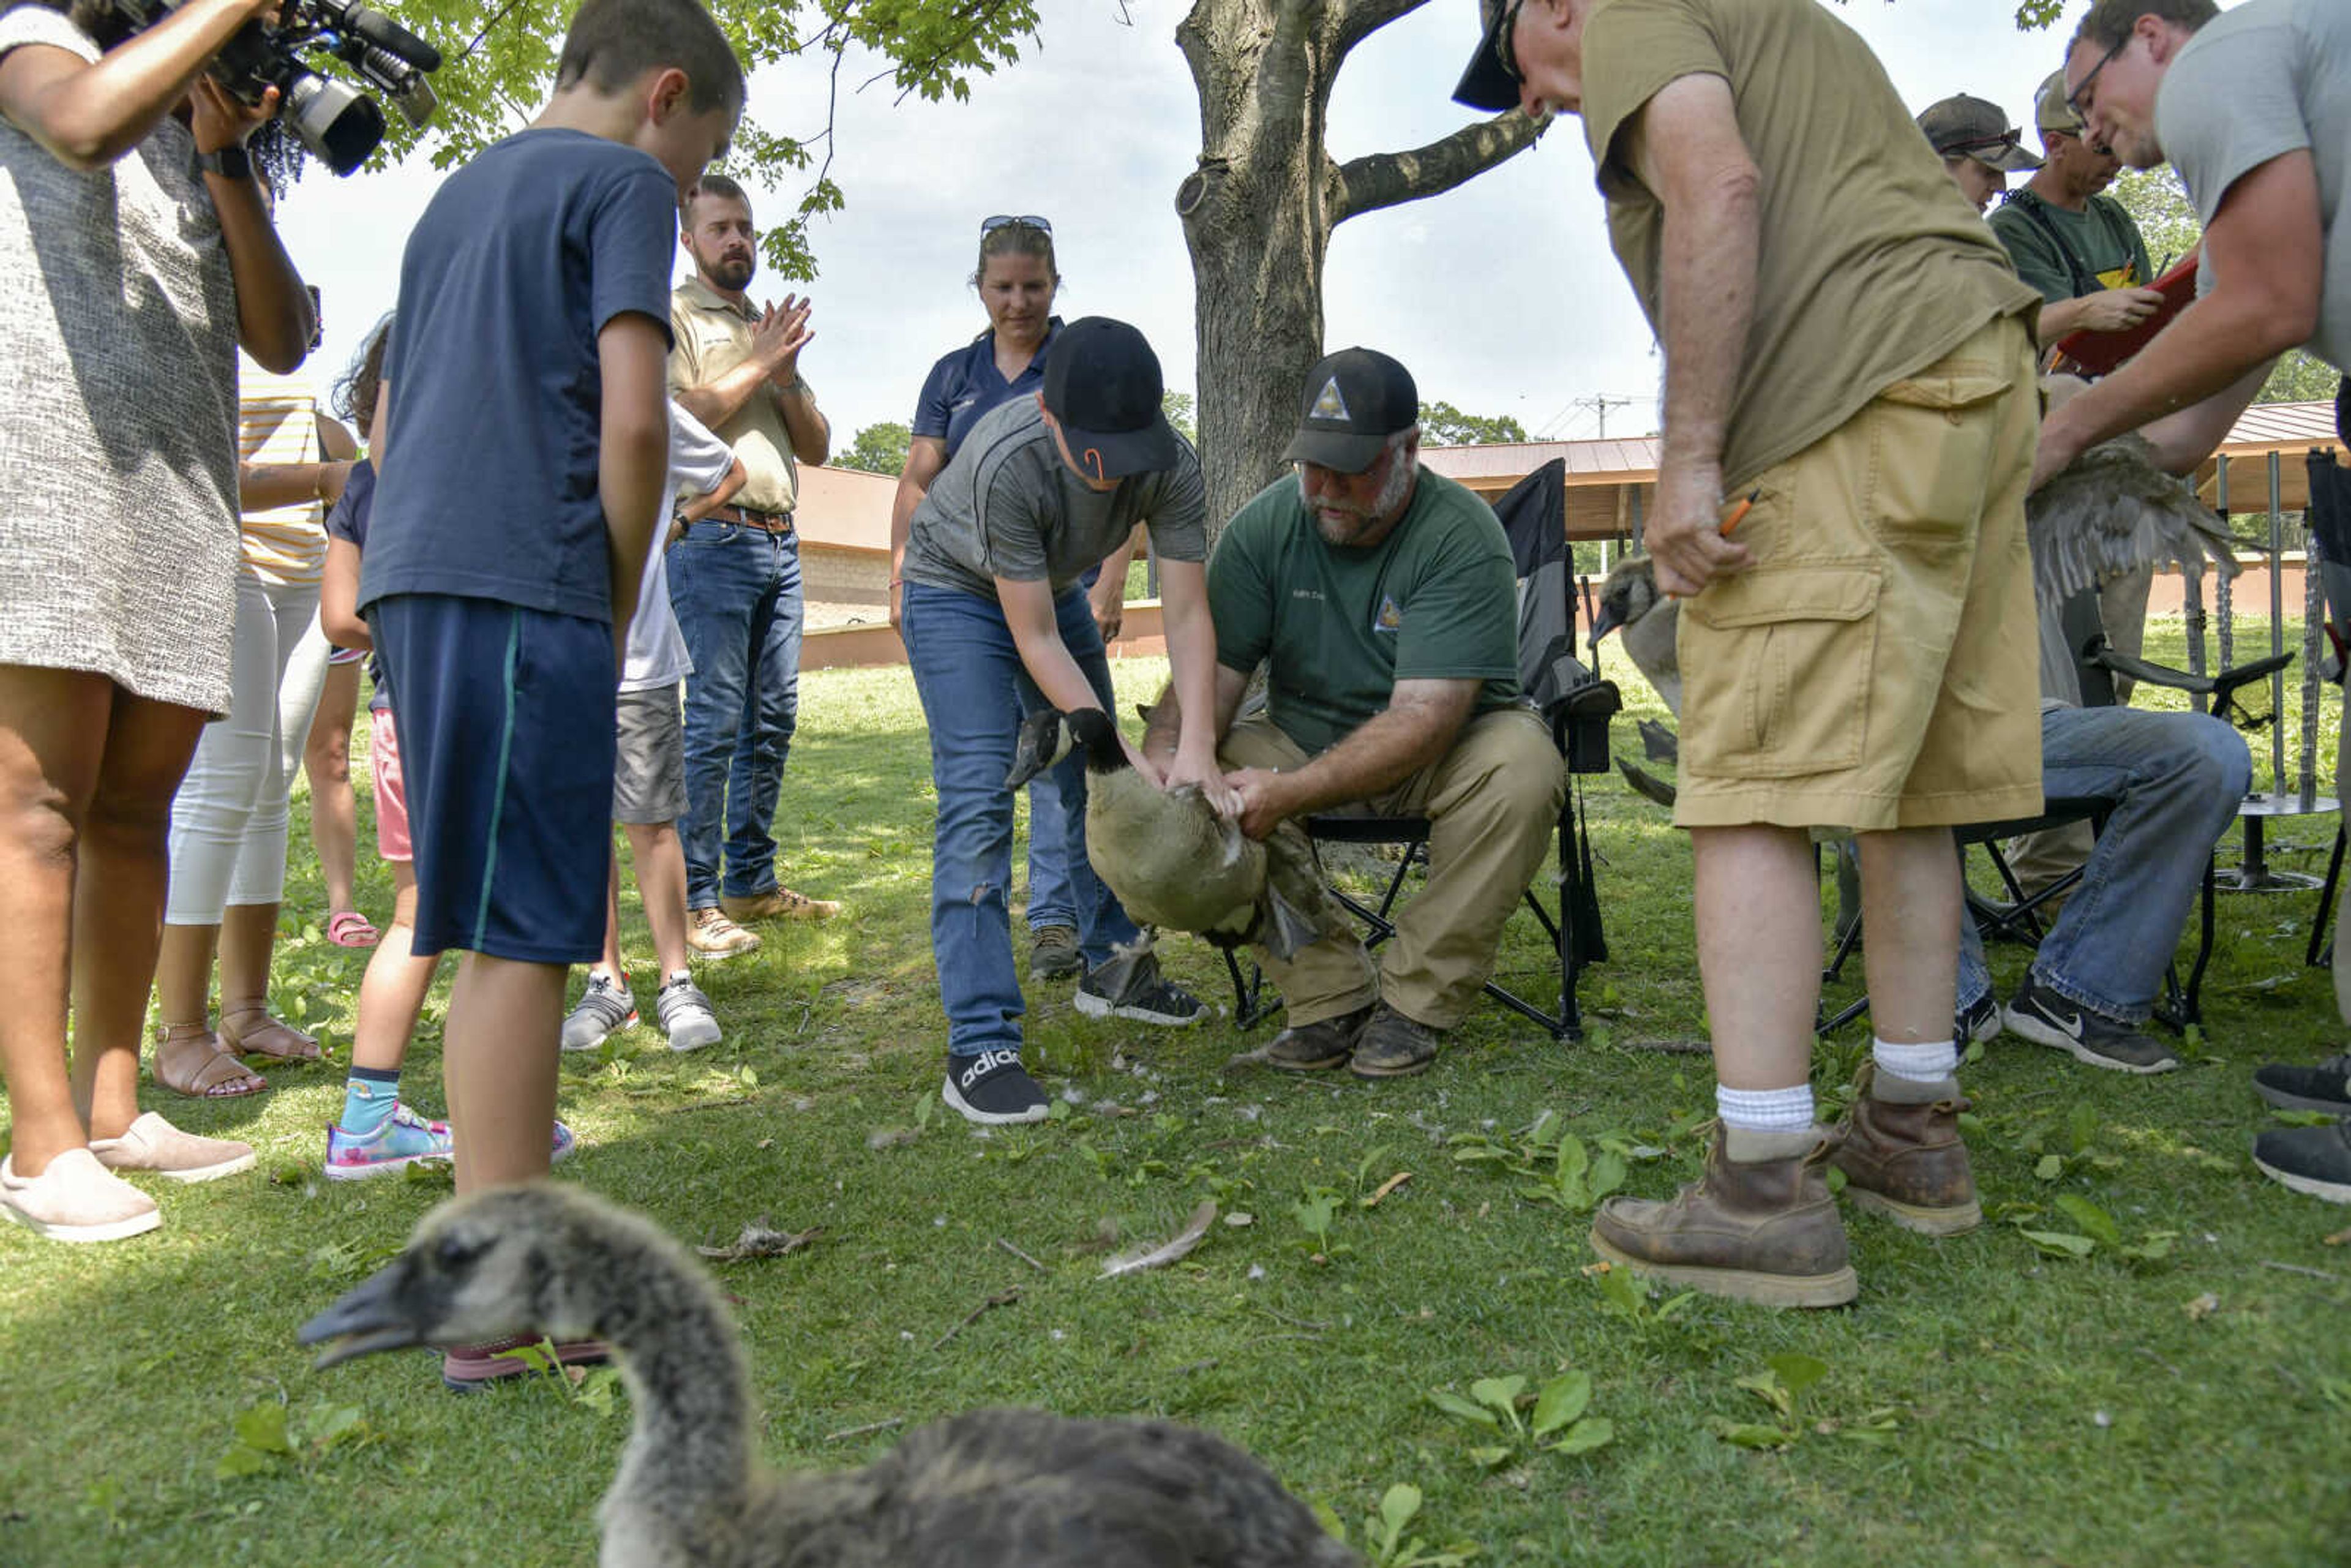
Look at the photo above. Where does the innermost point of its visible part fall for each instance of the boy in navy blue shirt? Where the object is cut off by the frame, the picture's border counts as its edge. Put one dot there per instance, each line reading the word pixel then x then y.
pixel 520 473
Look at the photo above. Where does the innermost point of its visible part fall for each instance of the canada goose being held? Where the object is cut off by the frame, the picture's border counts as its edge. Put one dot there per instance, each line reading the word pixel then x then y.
pixel 984 1489
pixel 1647 621
pixel 1172 861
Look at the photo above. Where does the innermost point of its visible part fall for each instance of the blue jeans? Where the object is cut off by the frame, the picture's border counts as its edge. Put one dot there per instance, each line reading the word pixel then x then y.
pixel 736 592
pixel 2180 776
pixel 964 661
pixel 1052 897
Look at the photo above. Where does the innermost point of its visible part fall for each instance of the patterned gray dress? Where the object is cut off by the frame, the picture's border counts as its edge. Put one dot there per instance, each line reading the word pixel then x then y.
pixel 117 410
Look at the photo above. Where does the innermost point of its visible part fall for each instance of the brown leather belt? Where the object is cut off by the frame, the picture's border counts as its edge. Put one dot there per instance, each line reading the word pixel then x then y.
pixel 766 522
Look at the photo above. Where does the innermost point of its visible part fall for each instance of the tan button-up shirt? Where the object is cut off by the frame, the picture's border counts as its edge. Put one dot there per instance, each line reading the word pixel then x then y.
pixel 710 336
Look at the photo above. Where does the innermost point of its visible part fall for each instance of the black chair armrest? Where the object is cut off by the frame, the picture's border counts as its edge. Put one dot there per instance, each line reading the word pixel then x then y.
pixel 1579 717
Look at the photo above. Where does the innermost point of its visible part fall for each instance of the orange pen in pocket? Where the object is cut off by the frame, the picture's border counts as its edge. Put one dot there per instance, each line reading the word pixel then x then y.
pixel 1738 512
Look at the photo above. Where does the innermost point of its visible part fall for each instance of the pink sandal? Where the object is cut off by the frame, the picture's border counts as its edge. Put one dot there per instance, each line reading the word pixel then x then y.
pixel 349 929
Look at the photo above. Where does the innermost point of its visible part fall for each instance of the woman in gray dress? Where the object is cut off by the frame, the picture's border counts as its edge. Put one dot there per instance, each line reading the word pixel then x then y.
pixel 140 255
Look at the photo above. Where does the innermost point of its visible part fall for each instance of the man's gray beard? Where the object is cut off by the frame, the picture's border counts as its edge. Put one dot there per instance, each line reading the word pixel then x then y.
pixel 1384 504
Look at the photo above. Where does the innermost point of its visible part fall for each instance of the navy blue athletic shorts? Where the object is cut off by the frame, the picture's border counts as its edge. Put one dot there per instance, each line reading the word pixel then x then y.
pixel 507 731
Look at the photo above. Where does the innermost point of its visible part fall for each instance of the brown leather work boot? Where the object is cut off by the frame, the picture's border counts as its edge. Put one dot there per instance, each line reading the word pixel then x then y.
pixel 1762 1230
pixel 1900 1151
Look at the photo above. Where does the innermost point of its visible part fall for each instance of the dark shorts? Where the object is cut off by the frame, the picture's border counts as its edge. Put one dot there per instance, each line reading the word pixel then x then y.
pixel 649 774
pixel 507 727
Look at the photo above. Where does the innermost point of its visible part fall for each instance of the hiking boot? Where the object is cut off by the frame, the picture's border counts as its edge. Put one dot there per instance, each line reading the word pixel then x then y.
pixel 2314 1160
pixel 1131 986
pixel 2041 1015
pixel 2326 1087
pixel 74 1198
pixel 605 1009
pixel 467 1368
pixel 709 932
pixel 993 1089
pixel 1764 1230
pixel 776 904
pixel 1980 1024
pixel 406 1139
pixel 1394 1046
pixel 1900 1151
pixel 154 1145
pixel 1312 1046
pixel 1053 953
pixel 686 1015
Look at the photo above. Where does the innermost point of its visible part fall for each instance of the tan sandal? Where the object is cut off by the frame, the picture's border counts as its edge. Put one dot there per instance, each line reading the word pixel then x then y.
pixel 271 1037
pixel 220 1077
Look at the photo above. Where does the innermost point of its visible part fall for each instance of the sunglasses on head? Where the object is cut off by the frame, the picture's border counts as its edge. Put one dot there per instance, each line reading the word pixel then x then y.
pixel 1010 220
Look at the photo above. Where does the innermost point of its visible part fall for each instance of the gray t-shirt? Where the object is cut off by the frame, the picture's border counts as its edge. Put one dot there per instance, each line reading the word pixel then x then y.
pixel 1006 505
pixel 2268 78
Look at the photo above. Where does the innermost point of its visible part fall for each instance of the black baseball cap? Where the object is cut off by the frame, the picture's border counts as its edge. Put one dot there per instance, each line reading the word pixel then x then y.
pixel 1964 126
pixel 1486 84
pixel 1102 382
pixel 1356 399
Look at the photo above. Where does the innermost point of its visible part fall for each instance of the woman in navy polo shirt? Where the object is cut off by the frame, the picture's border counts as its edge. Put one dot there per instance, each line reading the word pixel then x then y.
pixel 1017 281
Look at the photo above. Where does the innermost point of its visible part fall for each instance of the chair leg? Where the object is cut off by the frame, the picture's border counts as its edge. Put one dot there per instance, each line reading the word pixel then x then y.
pixel 2314 955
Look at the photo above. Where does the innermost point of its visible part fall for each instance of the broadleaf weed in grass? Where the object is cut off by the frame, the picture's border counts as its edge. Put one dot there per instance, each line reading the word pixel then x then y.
pixel 1784 1384
pixel 1527 1422
pixel 268 1437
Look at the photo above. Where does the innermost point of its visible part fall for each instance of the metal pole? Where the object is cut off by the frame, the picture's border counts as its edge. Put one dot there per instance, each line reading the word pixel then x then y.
pixel 2225 595
pixel 2277 632
pixel 2192 593
pixel 2314 616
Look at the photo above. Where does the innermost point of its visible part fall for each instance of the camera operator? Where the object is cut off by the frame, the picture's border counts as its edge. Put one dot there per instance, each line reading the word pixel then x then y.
pixel 142 255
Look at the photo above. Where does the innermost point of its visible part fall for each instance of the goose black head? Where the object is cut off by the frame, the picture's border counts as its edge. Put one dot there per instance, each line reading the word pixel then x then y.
pixel 1048 734
pixel 477 1269
pixel 1629 592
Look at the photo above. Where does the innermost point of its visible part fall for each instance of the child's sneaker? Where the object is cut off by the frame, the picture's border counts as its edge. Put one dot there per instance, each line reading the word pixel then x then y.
pixel 405 1140
pixel 686 1015
pixel 992 1089
pixel 605 1009
pixel 1131 986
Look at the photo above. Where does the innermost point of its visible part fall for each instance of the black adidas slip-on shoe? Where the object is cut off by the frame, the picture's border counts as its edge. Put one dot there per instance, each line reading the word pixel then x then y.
pixel 993 1090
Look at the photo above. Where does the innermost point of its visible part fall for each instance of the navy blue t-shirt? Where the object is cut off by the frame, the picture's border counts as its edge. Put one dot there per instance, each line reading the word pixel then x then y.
pixel 347 520
pixel 965 384
pixel 488 488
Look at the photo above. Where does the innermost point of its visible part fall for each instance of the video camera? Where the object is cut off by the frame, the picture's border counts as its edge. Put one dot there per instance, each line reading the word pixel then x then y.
pixel 338 123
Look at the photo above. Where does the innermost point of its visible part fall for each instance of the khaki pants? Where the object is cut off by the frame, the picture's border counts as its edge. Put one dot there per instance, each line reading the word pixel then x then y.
pixel 1492 804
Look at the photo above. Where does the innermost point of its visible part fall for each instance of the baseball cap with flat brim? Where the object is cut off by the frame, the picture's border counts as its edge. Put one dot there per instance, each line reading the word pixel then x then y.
pixel 1102 386
pixel 1964 126
pixel 1487 84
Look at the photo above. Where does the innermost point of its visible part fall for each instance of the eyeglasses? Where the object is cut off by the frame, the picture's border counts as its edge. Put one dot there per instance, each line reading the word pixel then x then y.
pixel 1506 54
pixel 2078 99
pixel 1008 220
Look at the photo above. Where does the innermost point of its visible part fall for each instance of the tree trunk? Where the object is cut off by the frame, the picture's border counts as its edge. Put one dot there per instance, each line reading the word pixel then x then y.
pixel 1259 212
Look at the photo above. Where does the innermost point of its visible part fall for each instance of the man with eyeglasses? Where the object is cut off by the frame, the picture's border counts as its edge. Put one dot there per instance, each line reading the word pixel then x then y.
pixel 1848 353
pixel 1979 147
pixel 2253 109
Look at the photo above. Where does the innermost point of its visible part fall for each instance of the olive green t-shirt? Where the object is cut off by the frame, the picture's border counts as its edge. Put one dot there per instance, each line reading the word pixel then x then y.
pixel 1436 600
pixel 2068 254
pixel 1871 265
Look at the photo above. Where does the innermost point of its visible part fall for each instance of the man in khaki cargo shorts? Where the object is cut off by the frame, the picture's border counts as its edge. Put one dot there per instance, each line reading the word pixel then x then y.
pixel 1848 354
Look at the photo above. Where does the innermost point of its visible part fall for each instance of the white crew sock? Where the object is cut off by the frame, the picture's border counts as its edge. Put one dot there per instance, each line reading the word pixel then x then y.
pixel 1765 1109
pixel 1929 1064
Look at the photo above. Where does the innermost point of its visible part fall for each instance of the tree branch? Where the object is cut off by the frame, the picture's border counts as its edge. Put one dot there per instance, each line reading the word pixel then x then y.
pixel 1359 19
pixel 1386 179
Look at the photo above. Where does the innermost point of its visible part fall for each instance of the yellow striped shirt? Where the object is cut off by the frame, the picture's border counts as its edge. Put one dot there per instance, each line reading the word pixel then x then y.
pixel 277 421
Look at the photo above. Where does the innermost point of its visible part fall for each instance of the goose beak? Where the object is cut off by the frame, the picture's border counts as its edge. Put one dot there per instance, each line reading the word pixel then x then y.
pixel 1039 746
pixel 1605 621
pixel 372 1315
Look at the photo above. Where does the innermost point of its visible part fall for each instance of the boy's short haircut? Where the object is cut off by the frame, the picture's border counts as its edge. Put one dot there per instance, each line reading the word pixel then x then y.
pixel 613 42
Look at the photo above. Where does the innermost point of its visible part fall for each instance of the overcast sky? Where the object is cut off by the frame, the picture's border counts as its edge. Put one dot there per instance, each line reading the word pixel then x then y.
pixel 1500 296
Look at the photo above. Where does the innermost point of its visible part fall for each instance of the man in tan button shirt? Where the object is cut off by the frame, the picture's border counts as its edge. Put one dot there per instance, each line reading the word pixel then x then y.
pixel 735 576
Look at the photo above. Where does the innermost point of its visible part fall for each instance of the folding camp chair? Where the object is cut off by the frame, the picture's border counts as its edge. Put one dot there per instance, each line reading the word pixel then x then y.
pixel 1574 702
pixel 2330 553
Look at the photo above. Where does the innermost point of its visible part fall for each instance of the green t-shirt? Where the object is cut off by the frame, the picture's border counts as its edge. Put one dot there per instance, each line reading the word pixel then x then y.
pixel 2068 254
pixel 1870 265
pixel 1436 600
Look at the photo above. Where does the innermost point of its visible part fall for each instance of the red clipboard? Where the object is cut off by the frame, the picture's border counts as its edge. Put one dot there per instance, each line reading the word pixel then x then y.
pixel 2098 353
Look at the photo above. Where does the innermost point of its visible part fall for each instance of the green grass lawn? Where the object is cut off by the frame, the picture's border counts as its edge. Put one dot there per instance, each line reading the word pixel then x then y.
pixel 1985 1402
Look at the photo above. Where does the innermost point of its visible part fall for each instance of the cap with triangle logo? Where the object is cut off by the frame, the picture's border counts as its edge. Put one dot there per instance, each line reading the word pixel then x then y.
pixel 1353 401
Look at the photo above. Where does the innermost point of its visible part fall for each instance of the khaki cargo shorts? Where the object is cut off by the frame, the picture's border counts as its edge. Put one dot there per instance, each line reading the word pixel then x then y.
pixel 1877 667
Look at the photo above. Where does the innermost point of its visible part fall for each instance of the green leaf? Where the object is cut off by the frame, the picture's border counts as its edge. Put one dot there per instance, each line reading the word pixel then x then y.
pixel 1746 1435
pixel 1797 1372
pixel 1499 1394
pixel 2059 1244
pixel 1766 1387
pixel 240 1460
pixel 331 1424
pixel 1593 1432
pixel 263 1428
pixel 2082 1127
pixel 1608 1175
pixel 1573 1159
pixel 1677 1304
pixel 1461 1409
pixel 1397 1506
pixel 2096 1222
pixel 1560 1401
pixel 2049 1168
pixel 1490 1459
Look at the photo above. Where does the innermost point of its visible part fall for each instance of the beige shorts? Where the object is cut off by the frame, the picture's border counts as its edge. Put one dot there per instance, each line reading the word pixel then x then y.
pixel 1878 665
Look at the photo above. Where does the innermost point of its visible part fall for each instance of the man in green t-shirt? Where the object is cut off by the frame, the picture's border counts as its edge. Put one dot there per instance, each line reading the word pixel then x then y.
pixel 1383 602
pixel 1848 352
pixel 2075 244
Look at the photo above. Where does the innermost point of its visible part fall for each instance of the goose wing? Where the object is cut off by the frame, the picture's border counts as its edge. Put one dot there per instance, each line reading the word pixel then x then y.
pixel 2110 512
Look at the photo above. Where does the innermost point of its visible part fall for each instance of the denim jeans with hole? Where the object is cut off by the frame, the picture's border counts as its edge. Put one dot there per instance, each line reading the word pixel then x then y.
pixel 2180 776
pixel 964 660
pixel 736 592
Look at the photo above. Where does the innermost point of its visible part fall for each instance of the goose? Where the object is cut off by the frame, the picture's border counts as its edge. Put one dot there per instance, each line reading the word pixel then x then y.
pixel 988 1488
pixel 1646 623
pixel 1172 861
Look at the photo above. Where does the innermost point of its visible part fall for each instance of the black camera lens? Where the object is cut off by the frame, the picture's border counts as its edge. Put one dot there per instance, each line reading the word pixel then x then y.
pixel 339 124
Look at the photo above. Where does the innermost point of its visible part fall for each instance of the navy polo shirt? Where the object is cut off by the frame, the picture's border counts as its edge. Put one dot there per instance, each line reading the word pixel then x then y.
pixel 965 384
